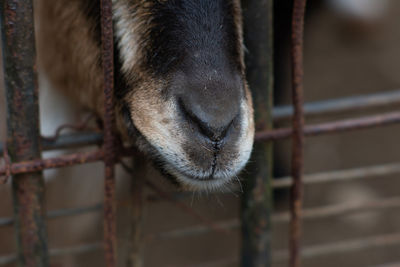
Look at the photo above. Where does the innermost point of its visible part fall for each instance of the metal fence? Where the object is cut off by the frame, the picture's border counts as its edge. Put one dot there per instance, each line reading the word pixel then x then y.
pixel 22 151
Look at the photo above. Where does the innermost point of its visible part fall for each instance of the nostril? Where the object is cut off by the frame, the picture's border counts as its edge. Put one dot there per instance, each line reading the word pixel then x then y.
pixel 215 134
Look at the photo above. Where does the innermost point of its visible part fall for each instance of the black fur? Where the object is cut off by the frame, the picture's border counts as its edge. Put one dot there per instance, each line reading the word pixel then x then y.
pixel 177 28
pixel 180 27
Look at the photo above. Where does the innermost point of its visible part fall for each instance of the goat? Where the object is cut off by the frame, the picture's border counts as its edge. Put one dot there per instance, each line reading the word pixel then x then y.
pixel 181 93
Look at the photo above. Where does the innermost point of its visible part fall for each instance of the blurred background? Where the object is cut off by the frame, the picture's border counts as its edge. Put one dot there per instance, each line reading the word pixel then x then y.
pixel 351 48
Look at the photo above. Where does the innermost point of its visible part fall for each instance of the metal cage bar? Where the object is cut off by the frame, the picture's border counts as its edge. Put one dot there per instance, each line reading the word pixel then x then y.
pixel 107 47
pixel 297 133
pixel 345 104
pixel 256 201
pixel 23 129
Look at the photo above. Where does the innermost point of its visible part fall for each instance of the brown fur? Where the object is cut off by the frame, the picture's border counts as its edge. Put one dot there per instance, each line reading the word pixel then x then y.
pixel 68 53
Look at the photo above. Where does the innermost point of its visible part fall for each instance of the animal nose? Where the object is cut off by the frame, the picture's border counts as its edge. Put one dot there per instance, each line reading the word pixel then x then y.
pixel 212 122
pixel 209 98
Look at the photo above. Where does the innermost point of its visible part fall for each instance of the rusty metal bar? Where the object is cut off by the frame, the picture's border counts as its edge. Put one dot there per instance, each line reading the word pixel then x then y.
pixel 23 129
pixel 342 209
pixel 107 45
pixel 347 246
pixel 73 140
pixel 58 252
pixel 340 105
pixel 342 175
pixel 298 131
pixel 59 162
pixel 256 204
pixel 332 127
pixel 54 214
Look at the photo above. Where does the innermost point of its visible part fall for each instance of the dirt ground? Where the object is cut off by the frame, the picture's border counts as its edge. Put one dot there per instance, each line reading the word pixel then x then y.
pixel 339 61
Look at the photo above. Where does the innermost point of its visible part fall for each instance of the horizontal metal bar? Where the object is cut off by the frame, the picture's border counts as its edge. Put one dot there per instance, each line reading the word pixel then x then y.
pixel 332 127
pixel 58 162
pixel 72 140
pixel 342 209
pixel 53 214
pixel 58 252
pixel 6 221
pixel 342 175
pixel 340 105
pixel 68 141
pixel 347 246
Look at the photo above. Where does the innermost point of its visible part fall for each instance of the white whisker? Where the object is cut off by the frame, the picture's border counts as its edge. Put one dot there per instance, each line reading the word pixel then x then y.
pixel 240 183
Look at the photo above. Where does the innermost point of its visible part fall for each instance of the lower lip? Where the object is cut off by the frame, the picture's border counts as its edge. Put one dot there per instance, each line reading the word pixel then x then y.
pixel 200 179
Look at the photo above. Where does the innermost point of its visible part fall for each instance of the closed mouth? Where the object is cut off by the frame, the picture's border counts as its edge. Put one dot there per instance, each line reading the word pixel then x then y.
pixel 196 173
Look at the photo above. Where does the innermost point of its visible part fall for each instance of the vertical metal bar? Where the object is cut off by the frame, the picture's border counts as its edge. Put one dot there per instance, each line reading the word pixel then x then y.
pixel 298 131
pixel 257 197
pixel 23 129
pixel 109 140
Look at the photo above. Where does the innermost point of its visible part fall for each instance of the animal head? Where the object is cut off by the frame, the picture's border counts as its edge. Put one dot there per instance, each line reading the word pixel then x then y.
pixel 183 90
